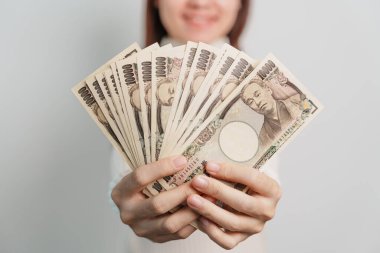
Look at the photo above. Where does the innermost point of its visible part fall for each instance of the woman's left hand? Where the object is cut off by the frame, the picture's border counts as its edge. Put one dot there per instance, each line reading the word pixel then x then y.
pixel 245 214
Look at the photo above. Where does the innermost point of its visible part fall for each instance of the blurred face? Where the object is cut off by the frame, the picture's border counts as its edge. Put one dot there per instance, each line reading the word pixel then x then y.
pixel 165 93
pixel 227 89
pixel 259 99
pixel 197 82
pixel 198 20
pixel 135 99
pixel 148 94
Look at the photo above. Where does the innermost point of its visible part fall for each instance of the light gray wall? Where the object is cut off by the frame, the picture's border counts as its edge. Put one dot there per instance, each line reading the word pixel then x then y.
pixel 53 159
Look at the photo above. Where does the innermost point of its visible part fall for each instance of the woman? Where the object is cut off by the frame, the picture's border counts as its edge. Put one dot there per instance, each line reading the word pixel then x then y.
pixel 213 22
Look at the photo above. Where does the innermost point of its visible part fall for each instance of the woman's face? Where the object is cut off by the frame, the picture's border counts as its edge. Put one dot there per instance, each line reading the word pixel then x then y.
pixel 198 20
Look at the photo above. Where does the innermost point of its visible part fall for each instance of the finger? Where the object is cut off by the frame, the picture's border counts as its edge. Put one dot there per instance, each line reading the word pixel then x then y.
pixel 239 201
pixel 182 234
pixel 144 175
pixel 253 178
pixel 166 224
pixel 161 203
pixel 185 232
pixel 231 221
pixel 227 240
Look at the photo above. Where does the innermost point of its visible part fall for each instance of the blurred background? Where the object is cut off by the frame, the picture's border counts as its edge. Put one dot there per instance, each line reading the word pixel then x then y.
pixel 54 162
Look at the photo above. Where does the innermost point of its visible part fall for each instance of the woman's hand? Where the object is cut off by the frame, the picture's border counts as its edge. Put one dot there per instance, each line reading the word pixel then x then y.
pixel 149 217
pixel 244 214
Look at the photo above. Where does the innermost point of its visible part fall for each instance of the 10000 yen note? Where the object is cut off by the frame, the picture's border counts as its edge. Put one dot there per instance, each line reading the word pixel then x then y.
pixel 126 120
pixel 93 108
pixel 87 100
pixel 190 51
pixel 208 87
pixel 166 65
pixel 220 90
pixel 259 118
pixel 129 80
pixel 144 67
pixel 205 57
pixel 99 96
pixel 102 83
pixel 118 100
pixel 128 72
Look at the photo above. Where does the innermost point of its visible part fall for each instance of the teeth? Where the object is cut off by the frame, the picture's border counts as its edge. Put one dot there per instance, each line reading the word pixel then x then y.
pixel 198 19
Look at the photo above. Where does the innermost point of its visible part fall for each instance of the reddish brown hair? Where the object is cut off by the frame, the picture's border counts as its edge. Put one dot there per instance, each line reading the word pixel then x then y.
pixel 155 31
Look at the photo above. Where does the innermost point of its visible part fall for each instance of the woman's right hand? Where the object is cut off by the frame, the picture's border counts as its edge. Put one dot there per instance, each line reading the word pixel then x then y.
pixel 149 218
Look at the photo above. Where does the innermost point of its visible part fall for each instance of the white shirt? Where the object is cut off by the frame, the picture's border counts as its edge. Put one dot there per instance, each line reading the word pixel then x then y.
pixel 198 241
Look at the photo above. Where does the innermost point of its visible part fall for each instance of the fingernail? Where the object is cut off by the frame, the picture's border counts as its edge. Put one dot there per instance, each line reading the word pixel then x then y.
pixel 204 221
pixel 212 167
pixel 200 182
pixel 195 201
pixel 179 161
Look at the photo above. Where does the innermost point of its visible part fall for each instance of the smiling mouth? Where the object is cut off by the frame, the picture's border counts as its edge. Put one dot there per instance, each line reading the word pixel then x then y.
pixel 199 21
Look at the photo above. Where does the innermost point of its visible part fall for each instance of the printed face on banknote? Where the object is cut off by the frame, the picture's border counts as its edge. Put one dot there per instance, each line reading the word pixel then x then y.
pixel 99 114
pixel 278 113
pixel 135 97
pixel 148 94
pixel 258 96
pixel 165 92
pixel 196 83
pixel 228 88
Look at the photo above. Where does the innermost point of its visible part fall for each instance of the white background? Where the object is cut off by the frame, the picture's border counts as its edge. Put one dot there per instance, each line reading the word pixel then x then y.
pixel 54 161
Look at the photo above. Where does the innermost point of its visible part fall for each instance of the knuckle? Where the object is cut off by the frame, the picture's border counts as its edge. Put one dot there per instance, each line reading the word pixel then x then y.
pixel 258 177
pixel 247 207
pixel 168 165
pixel 157 206
pixel 258 228
pixel 158 240
pixel 214 188
pixel 277 191
pixel 255 227
pixel 268 210
pixel 115 196
pixel 187 190
pixel 234 225
pixel 269 214
pixel 169 226
pixel 182 234
pixel 139 232
pixel 225 170
pixel 229 244
pixel 164 167
pixel 138 177
pixel 126 218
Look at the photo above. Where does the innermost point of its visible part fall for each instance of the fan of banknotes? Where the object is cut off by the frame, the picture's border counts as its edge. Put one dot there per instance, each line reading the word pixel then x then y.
pixel 203 102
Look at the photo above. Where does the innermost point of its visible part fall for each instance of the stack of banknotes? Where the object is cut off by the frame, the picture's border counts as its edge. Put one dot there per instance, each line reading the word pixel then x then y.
pixel 203 102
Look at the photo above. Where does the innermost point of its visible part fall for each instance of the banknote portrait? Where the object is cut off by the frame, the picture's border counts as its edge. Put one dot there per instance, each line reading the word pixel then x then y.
pixel 148 101
pixel 278 113
pixel 166 88
pixel 90 101
pixel 134 94
pixel 230 85
pixel 165 96
pixel 102 119
pixel 194 87
pixel 99 91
